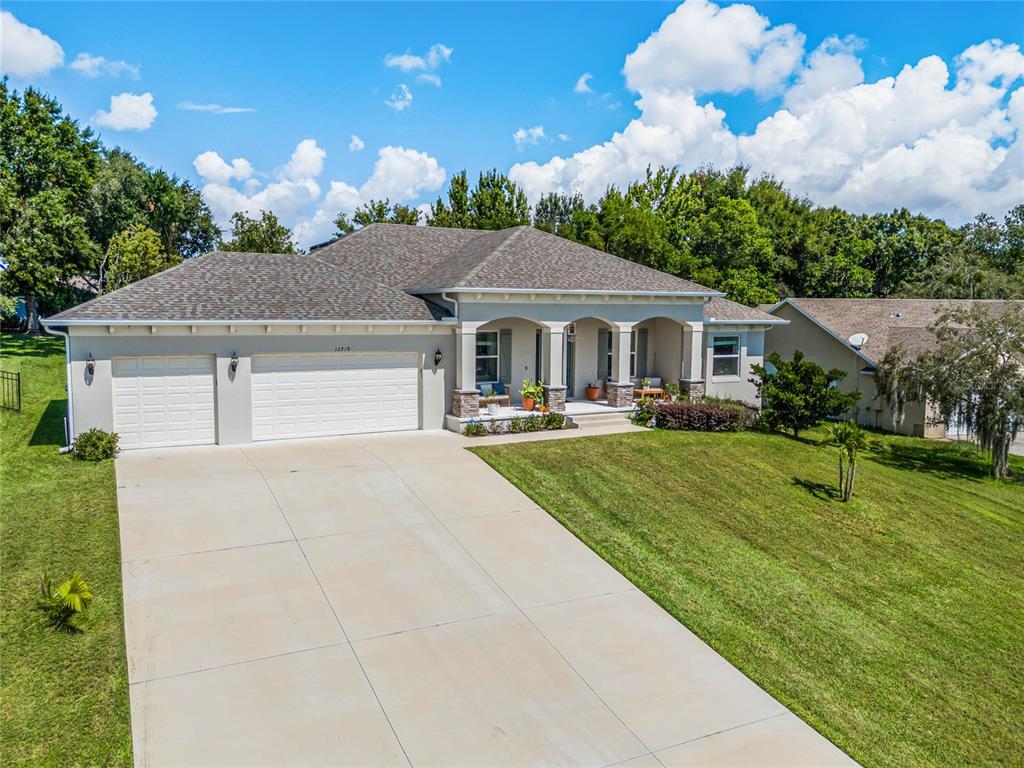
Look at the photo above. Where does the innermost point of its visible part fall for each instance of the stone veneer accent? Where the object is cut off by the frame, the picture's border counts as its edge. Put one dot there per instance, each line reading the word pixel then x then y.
pixel 554 398
pixel 620 394
pixel 465 403
pixel 692 388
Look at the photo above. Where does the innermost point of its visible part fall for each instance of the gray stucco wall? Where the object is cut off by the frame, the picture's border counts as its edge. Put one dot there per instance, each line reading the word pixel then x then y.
pixel 93 398
pixel 752 341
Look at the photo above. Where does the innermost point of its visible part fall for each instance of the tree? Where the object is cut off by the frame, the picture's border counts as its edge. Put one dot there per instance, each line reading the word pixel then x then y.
pixel 47 167
pixel 797 394
pixel 133 254
pixel 383 212
pixel 850 439
pixel 263 235
pixel 456 212
pixel 974 376
pixel 496 202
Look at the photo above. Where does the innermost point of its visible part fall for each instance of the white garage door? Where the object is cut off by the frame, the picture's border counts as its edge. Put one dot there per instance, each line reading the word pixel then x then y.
pixel 161 401
pixel 309 395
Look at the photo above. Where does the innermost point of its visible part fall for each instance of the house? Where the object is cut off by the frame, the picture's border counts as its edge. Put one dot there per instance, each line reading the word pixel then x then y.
pixel 854 335
pixel 392 327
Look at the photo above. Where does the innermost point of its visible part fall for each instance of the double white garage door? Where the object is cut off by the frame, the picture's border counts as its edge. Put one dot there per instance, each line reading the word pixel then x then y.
pixel 170 400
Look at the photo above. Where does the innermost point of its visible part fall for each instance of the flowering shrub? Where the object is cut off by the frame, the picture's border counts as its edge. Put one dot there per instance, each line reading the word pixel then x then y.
pixel 698 417
pixel 474 429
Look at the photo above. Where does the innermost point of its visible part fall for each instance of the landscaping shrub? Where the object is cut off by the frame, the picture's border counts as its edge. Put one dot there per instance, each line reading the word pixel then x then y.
pixel 95 445
pixel 474 429
pixel 750 418
pixel 644 411
pixel 697 417
pixel 62 604
pixel 554 420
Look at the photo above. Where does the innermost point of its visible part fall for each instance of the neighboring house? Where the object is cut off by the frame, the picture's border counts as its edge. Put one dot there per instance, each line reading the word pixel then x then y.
pixel 390 328
pixel 854 335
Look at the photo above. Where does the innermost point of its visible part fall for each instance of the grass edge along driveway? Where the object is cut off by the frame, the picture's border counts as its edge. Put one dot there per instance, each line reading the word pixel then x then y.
pixel 64 696
pixel 890 624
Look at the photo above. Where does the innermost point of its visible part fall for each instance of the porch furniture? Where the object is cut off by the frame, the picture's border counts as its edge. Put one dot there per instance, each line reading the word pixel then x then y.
pixel 656 392
pixel 505 400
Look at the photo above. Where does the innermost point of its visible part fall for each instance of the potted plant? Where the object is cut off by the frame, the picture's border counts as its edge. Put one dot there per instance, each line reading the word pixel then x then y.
pixel 593 391
pixel 645 383
pixel 532 394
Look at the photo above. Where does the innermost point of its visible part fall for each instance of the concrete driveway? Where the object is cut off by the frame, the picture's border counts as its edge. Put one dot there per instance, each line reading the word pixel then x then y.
pixel 391 600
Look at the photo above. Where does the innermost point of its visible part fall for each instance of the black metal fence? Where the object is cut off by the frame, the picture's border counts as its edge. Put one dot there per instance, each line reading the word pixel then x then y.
pixel 10 391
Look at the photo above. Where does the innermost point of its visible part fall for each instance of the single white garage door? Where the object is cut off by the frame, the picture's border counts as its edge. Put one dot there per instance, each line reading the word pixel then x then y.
pixel 162 401
pixel 310 395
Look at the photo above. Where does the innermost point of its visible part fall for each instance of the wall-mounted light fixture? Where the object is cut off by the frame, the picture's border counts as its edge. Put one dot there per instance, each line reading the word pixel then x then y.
pixel 90 365
pixel 233 365
pixel 437 357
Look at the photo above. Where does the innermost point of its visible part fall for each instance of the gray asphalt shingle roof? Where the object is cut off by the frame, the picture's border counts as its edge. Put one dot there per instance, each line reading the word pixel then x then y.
pixel 376 273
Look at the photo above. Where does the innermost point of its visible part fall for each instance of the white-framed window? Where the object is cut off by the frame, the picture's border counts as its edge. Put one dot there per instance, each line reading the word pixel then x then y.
pixel 725 356
pixel 487 356
pixel 632 354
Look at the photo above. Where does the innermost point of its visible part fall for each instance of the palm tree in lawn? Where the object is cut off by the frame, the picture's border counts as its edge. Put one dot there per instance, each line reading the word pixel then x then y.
pixel 850 439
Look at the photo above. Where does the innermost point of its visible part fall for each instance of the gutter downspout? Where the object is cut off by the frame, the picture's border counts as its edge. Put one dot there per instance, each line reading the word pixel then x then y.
pixel 69 423
pixel 454 301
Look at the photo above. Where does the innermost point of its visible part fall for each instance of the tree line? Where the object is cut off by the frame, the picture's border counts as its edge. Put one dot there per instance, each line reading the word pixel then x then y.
pixel 75 214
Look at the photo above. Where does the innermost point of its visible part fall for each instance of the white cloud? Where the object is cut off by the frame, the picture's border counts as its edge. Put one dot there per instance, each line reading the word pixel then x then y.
pixel 25 50
pixel 294 194
pixel 949 145
pixel 583 84
pixel 437 55
pixel 356 144
pixel 400 99
pixel 524 136
pixel 703 48
pixel 216 109
pixel 95 66
pixel 307 161
pixel 128 112
pixel 213 167
pixel 563 137
pixel 833 66
pixel 429 79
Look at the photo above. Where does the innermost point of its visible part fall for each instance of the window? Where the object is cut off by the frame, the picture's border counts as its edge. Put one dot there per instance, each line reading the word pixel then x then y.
pixel 632 354
pixel 725 356
pixel 487 356
pixel 638 354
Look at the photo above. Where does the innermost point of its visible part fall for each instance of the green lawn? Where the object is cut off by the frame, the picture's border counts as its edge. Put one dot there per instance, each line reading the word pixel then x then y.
pixel 893 624
pixel 64 696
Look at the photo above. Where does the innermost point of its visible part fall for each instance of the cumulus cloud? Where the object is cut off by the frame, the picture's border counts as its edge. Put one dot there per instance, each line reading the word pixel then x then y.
pixel 437 55
pixel 293 192
pixel 96 66
pixel 216 109
pixel 429 79
pixel 401 99
pixel 128 112
pixel 949 144
pixel 583 84
pixel 524 136
pixel 356 144
pixel 25 51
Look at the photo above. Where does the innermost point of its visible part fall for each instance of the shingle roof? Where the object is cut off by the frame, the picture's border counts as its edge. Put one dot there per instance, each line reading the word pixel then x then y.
pixel 374 273
pixel 721 309
pixel 528 258
pixel 887 322
pixel 253 286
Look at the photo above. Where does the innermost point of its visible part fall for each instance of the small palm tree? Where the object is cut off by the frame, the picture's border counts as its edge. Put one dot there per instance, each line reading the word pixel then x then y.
pixel 850 439
pixel 64 602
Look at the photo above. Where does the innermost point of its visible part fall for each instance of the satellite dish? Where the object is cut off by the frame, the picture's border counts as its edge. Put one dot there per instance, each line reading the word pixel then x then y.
pixel 858 340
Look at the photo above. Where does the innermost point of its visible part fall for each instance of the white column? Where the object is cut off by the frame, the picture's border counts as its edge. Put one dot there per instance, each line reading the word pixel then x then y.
pixel 621 337
pixel 465 355
pixel 693 351
pixel 552 348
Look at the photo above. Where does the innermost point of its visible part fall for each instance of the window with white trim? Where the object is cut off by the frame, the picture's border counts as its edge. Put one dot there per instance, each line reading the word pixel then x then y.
pixel 487 356
pixel 632 354
pixel 725 356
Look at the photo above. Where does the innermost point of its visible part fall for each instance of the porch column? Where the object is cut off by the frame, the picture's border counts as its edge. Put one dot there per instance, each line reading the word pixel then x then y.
pixel 552 347
pixel 691 384
pixel 465 398
pixel 620 390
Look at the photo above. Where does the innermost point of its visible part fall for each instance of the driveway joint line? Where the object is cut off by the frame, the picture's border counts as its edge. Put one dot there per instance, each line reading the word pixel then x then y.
pixel 238 663
pixel 206 551
pixel 509 597
pixel 630 588
pixel 727 730
pixel 426 627
pixel 330 605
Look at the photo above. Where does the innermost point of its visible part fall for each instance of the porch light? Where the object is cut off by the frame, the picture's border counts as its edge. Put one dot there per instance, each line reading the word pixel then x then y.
pixel 437 357
pixel 233 365
pixel 90 365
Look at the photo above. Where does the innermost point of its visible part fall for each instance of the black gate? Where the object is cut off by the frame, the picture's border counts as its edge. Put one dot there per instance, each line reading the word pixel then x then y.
pixel 10 391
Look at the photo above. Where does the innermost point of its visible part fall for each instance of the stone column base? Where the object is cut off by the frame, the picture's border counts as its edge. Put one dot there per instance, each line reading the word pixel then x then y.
pixel 620 394
pixel 692 388
pixel 554 398
pixel 466 403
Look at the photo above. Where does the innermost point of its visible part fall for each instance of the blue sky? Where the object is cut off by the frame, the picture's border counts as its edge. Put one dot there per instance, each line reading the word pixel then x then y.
pixel 317 71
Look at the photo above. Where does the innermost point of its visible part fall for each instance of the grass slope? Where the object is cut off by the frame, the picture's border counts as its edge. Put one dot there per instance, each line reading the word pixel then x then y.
pixel 64 697
pixel 892 624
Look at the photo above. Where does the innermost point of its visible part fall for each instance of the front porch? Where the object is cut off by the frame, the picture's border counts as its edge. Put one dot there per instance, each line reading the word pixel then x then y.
pixel 568 358
pixel 573 410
